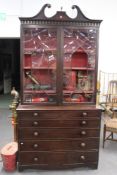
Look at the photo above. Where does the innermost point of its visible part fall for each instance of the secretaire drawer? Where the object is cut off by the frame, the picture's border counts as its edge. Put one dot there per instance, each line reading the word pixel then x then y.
pixel 35 133
pixel 59 145
pixel 57 114
pixel 87 122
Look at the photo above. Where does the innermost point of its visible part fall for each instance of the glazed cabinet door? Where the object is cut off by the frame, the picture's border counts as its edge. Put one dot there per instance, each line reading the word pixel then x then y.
pixel 79 65
pixel 39 63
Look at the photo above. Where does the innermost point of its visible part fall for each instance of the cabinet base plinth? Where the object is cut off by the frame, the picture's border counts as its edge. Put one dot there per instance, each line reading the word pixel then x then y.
pixel 57 167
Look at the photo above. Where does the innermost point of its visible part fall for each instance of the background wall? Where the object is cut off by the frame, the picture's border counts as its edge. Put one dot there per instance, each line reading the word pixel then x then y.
pixel 106 10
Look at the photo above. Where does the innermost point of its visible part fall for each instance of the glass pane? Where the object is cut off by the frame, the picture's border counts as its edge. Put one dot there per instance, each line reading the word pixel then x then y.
pixel 39 65
pixel 79 65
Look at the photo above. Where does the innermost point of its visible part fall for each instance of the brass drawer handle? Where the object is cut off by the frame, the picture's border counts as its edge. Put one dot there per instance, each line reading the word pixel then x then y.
pixel 82 157
pixel 35 114
pixel 84 122
pixel 35 145
pixel 35 123
pixel 84 114
pixel 35 133
pixel 83 144
pixel 83 132
pixel 36 159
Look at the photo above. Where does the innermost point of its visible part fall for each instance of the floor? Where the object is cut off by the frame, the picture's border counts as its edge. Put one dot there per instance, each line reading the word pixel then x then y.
pixel 107 156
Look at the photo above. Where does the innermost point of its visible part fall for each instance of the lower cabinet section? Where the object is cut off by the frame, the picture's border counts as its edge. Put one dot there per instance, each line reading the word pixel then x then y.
pixel 58 138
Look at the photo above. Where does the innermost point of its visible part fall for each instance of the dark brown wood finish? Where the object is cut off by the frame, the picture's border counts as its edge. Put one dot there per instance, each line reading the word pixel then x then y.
pixel 71 135
pixel 57 130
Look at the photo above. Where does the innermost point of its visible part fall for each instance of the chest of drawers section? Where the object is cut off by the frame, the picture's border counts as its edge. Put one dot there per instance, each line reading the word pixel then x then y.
pixel 58 139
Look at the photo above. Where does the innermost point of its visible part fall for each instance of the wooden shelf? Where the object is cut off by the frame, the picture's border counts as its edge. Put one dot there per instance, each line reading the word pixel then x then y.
pixel 30 51
pixel 77 92
pixel 40 92
pixel 79 68
pixel 40 68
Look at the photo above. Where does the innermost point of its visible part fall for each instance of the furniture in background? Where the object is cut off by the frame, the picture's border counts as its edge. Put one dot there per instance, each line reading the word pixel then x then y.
pixel 13 107
pixel 110 128
pixel 107 88
pixel 110 125
pixel 111 97
pixel 58 122
pixel 108 101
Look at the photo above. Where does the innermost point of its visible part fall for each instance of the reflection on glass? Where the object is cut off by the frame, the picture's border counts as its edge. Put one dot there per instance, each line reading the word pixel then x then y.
pixel 79 65
pixel 39 65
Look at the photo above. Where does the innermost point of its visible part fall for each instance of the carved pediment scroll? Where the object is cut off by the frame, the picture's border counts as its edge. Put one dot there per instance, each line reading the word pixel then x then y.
pixel 59 16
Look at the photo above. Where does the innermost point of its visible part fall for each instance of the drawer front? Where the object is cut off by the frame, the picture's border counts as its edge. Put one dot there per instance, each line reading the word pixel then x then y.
pixel 53 133
pixel 94 123
pixel 58 145
pixel 57 114
pixel 57 158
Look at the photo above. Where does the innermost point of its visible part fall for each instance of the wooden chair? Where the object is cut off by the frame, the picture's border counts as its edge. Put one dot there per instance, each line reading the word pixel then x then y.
pixel 110 128
pixel 110 124
pixel 106 86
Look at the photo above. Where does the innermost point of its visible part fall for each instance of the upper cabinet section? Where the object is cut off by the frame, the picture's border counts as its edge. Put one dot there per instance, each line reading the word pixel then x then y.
pixel 59 58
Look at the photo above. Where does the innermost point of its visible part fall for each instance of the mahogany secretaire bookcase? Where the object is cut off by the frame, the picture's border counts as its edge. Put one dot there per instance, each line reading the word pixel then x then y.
pixel 58 124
